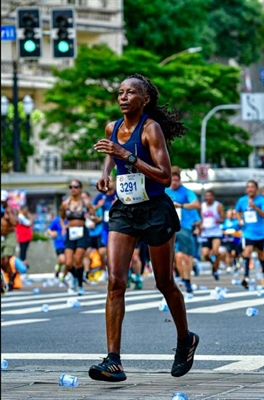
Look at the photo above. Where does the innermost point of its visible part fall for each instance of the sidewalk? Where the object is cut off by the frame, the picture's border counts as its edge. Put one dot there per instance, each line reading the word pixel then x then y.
pixel 33 383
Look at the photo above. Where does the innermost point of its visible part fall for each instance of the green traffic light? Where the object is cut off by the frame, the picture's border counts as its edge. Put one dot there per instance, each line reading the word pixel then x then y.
pixel 30 46
pixel 63 46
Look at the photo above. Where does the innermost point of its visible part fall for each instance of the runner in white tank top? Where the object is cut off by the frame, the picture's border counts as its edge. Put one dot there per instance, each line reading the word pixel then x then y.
pixel 213 215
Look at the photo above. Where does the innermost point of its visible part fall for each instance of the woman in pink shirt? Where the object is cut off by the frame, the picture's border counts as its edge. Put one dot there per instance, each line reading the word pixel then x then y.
pixel 24 232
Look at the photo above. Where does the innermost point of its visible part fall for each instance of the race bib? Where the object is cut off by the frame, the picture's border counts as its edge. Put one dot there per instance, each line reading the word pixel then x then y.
pixel 179 213
pixel 250 217
pixel 76 232
pixel 209 222
pixel 130 188
pixel 106 216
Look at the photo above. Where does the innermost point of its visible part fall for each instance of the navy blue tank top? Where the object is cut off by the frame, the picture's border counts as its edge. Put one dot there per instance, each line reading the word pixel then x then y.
pixel 135 146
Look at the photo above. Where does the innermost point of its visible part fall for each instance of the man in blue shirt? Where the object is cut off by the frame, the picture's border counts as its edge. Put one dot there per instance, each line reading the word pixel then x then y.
pixel 184 201
pixel 54 231
pixel 250 209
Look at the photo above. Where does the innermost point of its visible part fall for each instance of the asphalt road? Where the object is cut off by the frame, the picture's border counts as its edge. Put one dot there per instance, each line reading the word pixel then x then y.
pixel 65 336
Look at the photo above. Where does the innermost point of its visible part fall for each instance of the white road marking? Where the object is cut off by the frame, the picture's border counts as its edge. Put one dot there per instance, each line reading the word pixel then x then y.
pixel 23 321
pixel 99 299
pixel 226 306
pixel 31 310
pixel 131 307
pixel 248 362
pixel 155 304
pixel 88 295
pixel 243 365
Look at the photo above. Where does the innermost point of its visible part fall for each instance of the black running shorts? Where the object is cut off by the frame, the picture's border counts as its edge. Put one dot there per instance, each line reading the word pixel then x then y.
pixel 154 221
pixel 82 243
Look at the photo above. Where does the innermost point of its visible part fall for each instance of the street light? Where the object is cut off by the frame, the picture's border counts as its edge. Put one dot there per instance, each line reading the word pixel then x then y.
pixel 4 111
pixel 173 56
pixel 28 106
pixel 4 106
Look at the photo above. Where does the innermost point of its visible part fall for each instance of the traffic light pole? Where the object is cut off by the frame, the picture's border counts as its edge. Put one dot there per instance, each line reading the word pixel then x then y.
pixel 16 132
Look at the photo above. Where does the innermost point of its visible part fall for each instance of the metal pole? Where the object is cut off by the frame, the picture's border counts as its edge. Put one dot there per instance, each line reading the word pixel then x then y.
pixel 204 123
pixel 16 133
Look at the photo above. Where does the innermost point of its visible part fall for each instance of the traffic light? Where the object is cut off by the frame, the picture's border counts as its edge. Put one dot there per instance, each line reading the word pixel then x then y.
pixel 29 32
pixel 63 33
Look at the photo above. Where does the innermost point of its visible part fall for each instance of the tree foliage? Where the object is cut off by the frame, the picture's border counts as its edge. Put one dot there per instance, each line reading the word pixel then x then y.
pixel 84 100
pixel 227 28
pixel 7 148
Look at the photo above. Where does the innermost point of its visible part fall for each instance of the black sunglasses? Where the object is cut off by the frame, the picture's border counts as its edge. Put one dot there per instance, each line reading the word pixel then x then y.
pixel 74 187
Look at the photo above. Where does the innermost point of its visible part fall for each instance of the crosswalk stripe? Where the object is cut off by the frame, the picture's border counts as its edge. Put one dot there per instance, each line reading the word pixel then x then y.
pixel 23 321
pixel 131 307
pixel 31 310
pixel 9 299
pixel 238 362
pixel 195 299
pixel 226 306
pixel 99 299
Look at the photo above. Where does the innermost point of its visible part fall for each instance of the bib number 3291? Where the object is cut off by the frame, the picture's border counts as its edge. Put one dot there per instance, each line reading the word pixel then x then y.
pixel 130 188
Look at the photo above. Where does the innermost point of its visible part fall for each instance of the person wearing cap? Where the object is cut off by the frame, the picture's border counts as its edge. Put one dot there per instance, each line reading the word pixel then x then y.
pixel 8 236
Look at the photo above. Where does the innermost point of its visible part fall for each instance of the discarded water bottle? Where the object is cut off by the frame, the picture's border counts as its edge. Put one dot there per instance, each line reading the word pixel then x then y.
pixel 74 303
pixel 194 286
pixel 261 293
pixel 179 396
pixel 189 295
pixel 45 308
pixel 220 295
pixel 4 364
pixel 163 305
pixel 251 288
pixel 68 380
pixel 235 282
pixel 252 312
pixel 36 291
pixel 203 287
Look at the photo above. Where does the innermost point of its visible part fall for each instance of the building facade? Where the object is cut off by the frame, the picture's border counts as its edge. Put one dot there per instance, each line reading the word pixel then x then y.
pixel 97 21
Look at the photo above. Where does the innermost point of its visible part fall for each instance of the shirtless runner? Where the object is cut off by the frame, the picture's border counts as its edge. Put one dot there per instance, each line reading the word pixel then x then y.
pixel 8 236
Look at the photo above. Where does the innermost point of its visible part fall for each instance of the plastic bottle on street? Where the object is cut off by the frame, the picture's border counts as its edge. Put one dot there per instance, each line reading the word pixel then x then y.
pixel 203 288
pixel 45 308
pixel 235 282
pixel 36 291
pixel 74 303
pixel 179 396
pixel 163 305
pixel 4 364
pixel 252 312
pixel 68 380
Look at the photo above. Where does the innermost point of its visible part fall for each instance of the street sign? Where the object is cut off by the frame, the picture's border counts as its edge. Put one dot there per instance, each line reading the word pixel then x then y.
pixel 8 32
pixel 252 106
pixel 202 172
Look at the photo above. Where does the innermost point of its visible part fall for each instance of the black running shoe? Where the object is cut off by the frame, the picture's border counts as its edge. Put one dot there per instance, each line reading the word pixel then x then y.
pixel 245 283
pixel 108 370
pixel 216 275
pixel 184 356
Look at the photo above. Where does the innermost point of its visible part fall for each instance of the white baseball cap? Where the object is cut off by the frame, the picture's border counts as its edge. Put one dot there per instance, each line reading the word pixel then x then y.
pixel 4 195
